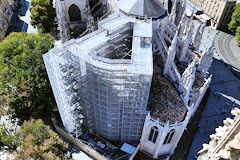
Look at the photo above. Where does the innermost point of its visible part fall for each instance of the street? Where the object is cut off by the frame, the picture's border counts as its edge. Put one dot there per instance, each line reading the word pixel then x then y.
pixel 226 46
pixel 20 21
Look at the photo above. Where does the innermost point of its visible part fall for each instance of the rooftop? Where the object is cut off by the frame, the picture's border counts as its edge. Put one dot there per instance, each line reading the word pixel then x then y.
pixel 199 78
pixel 119 46
pixel 142 8
pixel 165 102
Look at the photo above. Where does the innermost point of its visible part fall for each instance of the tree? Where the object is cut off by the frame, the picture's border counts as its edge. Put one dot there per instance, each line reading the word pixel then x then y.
pixel 24 82
pixel 238 35
pixel 40 142
pixel 235 22
pixel 42 14
pixel 9 135
pixel 36 141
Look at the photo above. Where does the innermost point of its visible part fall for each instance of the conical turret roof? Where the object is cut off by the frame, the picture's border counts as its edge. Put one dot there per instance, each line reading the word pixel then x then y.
pixel 143 8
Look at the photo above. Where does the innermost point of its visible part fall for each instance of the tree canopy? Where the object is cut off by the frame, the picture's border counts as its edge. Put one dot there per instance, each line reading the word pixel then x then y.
pixel 9 136
pixel 35 141
pixel 42 14
pixel 234 25
pixel 24 82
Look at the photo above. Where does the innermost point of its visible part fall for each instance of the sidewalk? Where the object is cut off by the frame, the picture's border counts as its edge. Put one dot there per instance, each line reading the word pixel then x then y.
pixel 226 46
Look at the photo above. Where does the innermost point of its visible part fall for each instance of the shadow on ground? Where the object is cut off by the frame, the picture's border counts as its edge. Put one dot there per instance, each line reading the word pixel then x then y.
pixel 16 24
pixel 23 8
pixel 223 96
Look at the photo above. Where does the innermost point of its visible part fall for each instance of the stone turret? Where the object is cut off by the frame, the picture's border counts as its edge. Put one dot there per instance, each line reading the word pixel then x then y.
pixel 206 60
pixel 188 78
pixel 171 55
pixel 182 24
pixel 187 40
pixel 172 16
pixel 189 22
pixel 181 9
pixel 199 34
pixel 166 4
pixel 64 28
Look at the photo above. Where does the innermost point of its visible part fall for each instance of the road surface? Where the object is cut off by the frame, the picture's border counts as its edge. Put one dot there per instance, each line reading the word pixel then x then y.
pixel 227 48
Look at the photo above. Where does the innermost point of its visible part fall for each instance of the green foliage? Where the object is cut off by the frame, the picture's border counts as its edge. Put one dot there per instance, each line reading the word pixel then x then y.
pixel 34 140
pixel 40 142
pixel 42 14
pixel 24 82
pixel 238 35
pixel 235 22
pixel 9 137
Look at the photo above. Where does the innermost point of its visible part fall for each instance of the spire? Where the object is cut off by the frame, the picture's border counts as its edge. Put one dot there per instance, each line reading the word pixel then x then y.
pixel 173 12
pixel 198 37
pixel 174 41
pixel 190 20
pixel 188 79
pixel 171 54
pixel 64 27
pixel 187 40
pixel 174 7
pixel 166 4
pixel 206 60
pixel 199 34
pixel 206 84
pixel 181 7
pixel 189 73
pixel 182 24
pixel 189 33
pixel 184 5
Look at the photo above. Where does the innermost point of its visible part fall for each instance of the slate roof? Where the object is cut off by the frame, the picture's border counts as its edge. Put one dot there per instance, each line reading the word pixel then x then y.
pixel 148 8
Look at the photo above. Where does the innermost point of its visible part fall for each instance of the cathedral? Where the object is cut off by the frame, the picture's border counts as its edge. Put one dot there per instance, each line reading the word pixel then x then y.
pixel 134 72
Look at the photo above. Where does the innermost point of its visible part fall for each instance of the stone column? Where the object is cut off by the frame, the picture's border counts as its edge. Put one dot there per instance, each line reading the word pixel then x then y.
pixel 145 131
pixel 166 4
pixel 161 140
pixel 171 55
pixel 185 46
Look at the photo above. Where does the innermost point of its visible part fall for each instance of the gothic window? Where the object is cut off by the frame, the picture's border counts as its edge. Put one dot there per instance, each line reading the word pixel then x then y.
pixel 153 134
pixel 169 137
pixel 74 13
pixel 92 3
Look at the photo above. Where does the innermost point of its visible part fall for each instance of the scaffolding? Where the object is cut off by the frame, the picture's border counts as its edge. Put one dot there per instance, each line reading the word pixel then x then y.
pixel 104 80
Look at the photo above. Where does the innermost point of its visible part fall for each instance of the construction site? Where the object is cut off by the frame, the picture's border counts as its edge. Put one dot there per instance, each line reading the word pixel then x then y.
pixel 134 77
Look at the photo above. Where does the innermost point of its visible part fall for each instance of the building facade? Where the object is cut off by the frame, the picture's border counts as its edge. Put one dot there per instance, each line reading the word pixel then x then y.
pixel 77 17
pixel 225 143
pixel 5 17
pixel 219 11
pixel 139 77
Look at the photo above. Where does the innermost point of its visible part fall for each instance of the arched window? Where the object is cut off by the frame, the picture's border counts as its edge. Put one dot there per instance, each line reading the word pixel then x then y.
pixel 153 134
pixel 169 137
pixel 74 13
